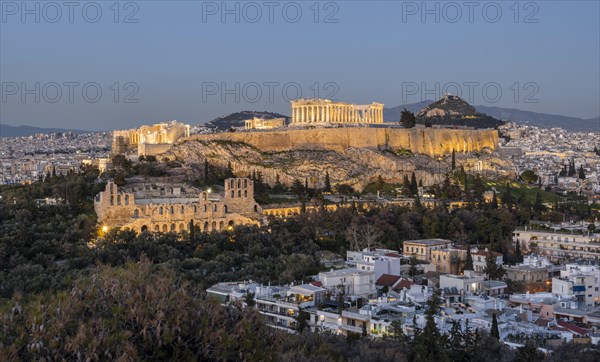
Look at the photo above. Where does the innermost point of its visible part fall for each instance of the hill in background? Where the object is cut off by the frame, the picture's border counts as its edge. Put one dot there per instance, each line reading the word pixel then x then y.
pixel 237 119
pixel 452 110
pixel 24 131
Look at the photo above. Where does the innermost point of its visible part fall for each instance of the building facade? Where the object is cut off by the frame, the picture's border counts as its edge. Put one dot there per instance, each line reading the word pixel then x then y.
pixel 423 249
pixel 149 140
pixel 261 123
pixel 170 208
pixel 560 246
pixel 312 112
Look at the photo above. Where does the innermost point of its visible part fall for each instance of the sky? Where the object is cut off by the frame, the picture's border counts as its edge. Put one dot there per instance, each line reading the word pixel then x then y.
pixel 112 65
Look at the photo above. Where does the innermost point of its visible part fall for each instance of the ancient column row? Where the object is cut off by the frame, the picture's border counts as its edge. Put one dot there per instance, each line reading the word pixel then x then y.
pixel 333 113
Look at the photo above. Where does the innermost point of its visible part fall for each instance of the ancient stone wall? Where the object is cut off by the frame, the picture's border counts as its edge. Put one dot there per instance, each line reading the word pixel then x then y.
pixel 118 209
pixel 425 141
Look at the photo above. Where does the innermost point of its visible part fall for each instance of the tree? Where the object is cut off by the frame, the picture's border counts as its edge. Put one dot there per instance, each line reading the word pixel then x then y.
pixel 529 353
pixel 453 165
pixel 581 173
pixel 344 189
pixel 494 331
pixel 469 259
pixel 302 321
pixel 206 175
pixel 379 184
pixel 591 228
pixel 508 197
pixel 407 119
pixel 413 184
pixel 529 176
pixel 327 187
pixel 538 206
pixel 396 331
pixel 412 271
pixel 429 346
pixel 494 205
pixel 249 299
pixel 297 188
pixel 518 255
pixel 492 269
pixel 571 171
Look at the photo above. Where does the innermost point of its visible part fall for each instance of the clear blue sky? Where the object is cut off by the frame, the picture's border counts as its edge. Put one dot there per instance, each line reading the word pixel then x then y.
pixel 181 54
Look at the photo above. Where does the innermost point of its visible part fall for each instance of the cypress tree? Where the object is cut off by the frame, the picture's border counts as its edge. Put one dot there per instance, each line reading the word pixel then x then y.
pixel 494 201
pixel 453 159
pixel 495 332
pixel 469 259
pixel 538 206
pixel 571 172
pixel 518 256
pixel 327 182
pixel 413 184
pixel 581 173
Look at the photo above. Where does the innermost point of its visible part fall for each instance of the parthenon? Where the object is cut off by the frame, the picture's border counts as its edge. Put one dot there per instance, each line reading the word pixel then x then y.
pixel 307 112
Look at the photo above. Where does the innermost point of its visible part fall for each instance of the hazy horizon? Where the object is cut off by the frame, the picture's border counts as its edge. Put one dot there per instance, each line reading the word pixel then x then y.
pixel 153 61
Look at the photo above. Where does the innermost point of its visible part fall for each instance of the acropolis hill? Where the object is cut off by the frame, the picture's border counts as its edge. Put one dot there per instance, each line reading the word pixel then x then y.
pixel 348 141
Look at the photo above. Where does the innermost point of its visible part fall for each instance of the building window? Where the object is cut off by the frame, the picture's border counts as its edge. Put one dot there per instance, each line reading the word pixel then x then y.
pixel 181 210
pixel 160 210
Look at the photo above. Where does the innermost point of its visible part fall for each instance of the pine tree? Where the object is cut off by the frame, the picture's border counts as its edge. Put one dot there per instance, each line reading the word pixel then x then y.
pixel 429 346
pixel 407 119
pixel 494 331
pixel 469 259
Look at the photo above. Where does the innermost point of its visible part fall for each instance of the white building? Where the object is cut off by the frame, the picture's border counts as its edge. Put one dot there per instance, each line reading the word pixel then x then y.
pixel 559 246
pixel 350 280
pixel 379 261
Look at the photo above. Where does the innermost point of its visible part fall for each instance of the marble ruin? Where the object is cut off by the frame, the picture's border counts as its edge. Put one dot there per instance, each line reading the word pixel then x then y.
pixel 261 123
pixel 312 112
pixel 149 140
pixel 170 208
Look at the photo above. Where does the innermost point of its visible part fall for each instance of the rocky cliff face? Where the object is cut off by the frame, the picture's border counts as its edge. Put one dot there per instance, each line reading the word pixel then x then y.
pixel 429 142
pixel 355 166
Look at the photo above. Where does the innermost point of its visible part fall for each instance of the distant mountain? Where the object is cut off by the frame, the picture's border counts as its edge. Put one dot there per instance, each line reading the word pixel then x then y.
pixel 24 131
pixel 393 114
pixel 516 115
pixel 542 119
pixel 237 119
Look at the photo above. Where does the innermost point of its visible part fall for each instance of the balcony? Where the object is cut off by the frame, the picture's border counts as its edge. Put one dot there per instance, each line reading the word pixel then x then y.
pixel 352 329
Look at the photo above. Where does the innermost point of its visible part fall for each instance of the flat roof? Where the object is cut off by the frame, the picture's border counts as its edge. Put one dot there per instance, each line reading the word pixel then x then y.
pixel 429 242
